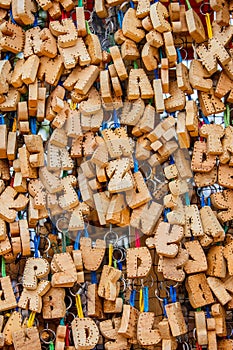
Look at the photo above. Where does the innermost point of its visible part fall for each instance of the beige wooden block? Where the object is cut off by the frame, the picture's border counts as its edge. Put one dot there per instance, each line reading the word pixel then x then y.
pixel 54 304
pixel 146 333
pixel 219 290
pixel 195 26
pixel 9 301
pixel 94 303
pixel 92 257
pixel 198 290
pixel 193 224
pixel 13 324
pixel 201 328
pixel 3 141
pixel 86 333
pixel 176 319
pixel 65 274
pixel 134 255
pixel 198 262
pixel 158 14
pixel 166 239
pixel 173 267
pixel 35 268
pixel 32 299
pixel 30 340
pixel 139 85
pixel 131 26
pixel 108 283
pixel 216 262
pixel 128 327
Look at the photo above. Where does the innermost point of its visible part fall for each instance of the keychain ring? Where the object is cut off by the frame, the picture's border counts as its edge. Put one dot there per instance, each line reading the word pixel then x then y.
pixel 111 233
pixel 49 244
pixel 124 284
pixel 69 313
pixel 145 280
pixel 70 302
pixel 134 287
pixel 82 288
pixel 202 6
pixel 146 165
pixel 182 43
pixel 117 249
pixel 123 5
pixel 50 332
pixel 186 53
pixel 59 221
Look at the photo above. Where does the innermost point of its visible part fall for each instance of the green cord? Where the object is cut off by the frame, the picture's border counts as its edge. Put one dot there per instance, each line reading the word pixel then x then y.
pixel 51 346
pixel 88 28
pixel 188 4
pixel 64 241
pixel 135 65
pixel 80 3
pixel 3 267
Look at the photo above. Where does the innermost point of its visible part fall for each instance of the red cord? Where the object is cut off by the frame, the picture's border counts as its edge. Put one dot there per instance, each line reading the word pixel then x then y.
pixel 67 341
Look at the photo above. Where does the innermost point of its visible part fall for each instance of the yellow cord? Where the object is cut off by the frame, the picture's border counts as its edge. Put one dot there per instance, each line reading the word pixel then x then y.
pixel 79 306
pixel 209 27
pixel 31 319
pixel 110 254
pixel 73 105
pixel 14 126
pixel 141 301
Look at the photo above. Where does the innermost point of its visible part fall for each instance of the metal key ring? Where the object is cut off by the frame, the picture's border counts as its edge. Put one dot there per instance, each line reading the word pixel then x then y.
pixel 67 315
pixel 80 290
pixel 70 302
pixel 50 332
pixel 49 244
pixel 182 43
pixel 117 249
pixel 148 170
pixel 201 9
pixel 186 53
pixel 145 281
pixel 109 240
pixel 59 221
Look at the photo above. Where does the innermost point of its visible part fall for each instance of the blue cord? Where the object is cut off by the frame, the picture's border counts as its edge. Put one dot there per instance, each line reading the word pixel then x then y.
pixel 202 201
pixel 120 18
pixel 132 297
pixel 2 120
pixel 206 120
pixel 136 168
pixel 131 4
pixel 165 302
pixel 208 315
pixel 173 294
pixel 11 17
pixel 119 263
pixel 156 73
pixel 86 232
pixel 166 211
pixel 179 57
pixel 146 298
pixel 36 245
pixel 209 202
pixel 77 241
pixel 116 120
pixel 33 125
pixel 35 24
pixel 171 160
pixel 93 277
